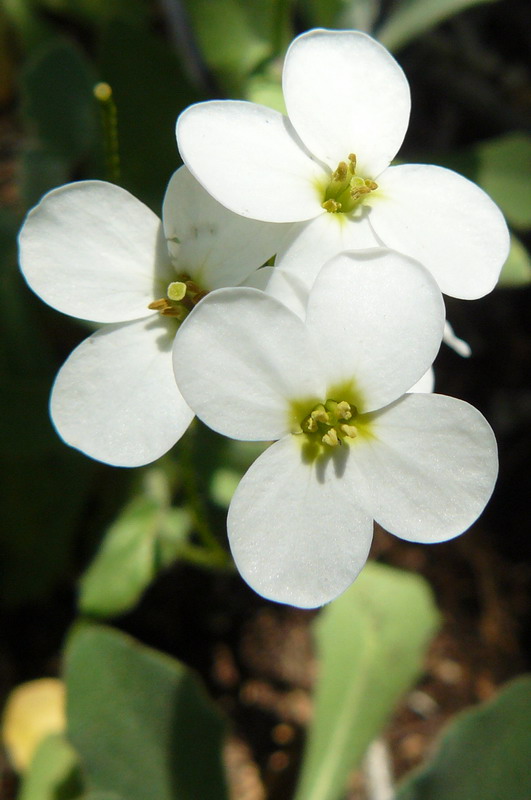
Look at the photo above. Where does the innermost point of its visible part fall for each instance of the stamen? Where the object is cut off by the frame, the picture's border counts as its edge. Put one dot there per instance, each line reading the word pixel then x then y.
pixel 319 414
pixel 349 430
pixel 331 206
pixel 331 438
pixel 343 410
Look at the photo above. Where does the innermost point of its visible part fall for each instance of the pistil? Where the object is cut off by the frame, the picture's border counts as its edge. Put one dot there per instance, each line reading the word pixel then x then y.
pixel 181 297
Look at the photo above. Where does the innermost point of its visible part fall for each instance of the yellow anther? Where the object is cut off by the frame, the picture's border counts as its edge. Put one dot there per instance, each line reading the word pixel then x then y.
pixel 319 414
pixel 160 305
pixel 332 206
pixel 310 424
pixel 331 438
pixel 349 430
pixel 176 291
pixel 343 410
pixel 353 161
pixel 340 174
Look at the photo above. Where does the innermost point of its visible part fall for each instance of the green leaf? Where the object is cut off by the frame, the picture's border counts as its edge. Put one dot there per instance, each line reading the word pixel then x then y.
pixel 257 32
pixel 517 269
pixel 413 17
pixel 504 171
pixel 485 753
pixel 371 642
pixel 140 720
pixel 60 114
pixel 54 772
pixel 147 536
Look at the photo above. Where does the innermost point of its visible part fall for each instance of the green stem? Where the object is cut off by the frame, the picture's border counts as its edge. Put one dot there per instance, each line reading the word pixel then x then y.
pixel 214 552
pixel 103 95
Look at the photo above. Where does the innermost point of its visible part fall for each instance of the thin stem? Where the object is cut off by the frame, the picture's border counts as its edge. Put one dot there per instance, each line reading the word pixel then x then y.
pixel 103 94
pixel 196 502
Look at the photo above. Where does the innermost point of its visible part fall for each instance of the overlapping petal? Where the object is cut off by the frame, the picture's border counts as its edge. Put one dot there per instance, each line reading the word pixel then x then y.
pixel 377 317
pixel 115 397
pixel 249 158
pixel 311 244
pixel 213 245
pixel 344 94
pixel 295 530
pixel 444 221
pixel 427 470
pixel 94 251
pixel 238 360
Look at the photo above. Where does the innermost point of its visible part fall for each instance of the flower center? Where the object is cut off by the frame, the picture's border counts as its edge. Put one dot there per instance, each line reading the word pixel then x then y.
pixel 329 423
pixel 181 297
pixel 346 190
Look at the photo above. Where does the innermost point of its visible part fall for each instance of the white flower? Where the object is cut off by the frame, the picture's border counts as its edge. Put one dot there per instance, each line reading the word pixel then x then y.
pixel 326 168
pixel 352 447
pixel 94 251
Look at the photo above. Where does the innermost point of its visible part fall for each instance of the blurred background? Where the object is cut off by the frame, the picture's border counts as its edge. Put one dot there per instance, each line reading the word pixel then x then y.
pixel 468 63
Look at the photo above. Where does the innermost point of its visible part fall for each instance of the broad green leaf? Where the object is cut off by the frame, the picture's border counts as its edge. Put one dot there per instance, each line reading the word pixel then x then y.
pixel 147 536
pixel 504 171
pixel 414 17
pixel 266 90
pixel 485 753
pixel 140 720
pixel 257 32
pixel 502 167
pixel 60 115
pixel 54 772
pixel 517 269
pixel 370 644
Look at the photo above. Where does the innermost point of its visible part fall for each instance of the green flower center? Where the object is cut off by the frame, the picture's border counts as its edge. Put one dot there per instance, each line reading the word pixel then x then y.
pixel 329 423
pixel 346 190
pixel 182 296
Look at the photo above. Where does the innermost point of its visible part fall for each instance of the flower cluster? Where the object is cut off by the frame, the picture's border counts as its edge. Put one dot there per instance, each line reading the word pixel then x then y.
pixel 328 353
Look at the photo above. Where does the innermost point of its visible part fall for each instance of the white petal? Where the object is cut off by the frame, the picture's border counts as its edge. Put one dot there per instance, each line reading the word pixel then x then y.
pixel 377 318
pixel 461 347
pixel 346 94
pixel 426 384
pixel 311 244
pixel 444 221
pixel 94 251
pixel 259 279
pixel 429 468
pixel 115 398
pixel 239 359
pixel 248 157
pixel 216 247
pixel 295 530
pixel 287 287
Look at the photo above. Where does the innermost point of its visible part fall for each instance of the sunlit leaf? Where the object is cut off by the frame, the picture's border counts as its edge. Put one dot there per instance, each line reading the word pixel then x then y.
pixel 147 536
pixel 370 643
pixel 410 18
pixel 517 269
pixel 234 37
pixel 484 753
pixel 54 772
pixel 33 710
pixel 504 171
pixel 140 720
